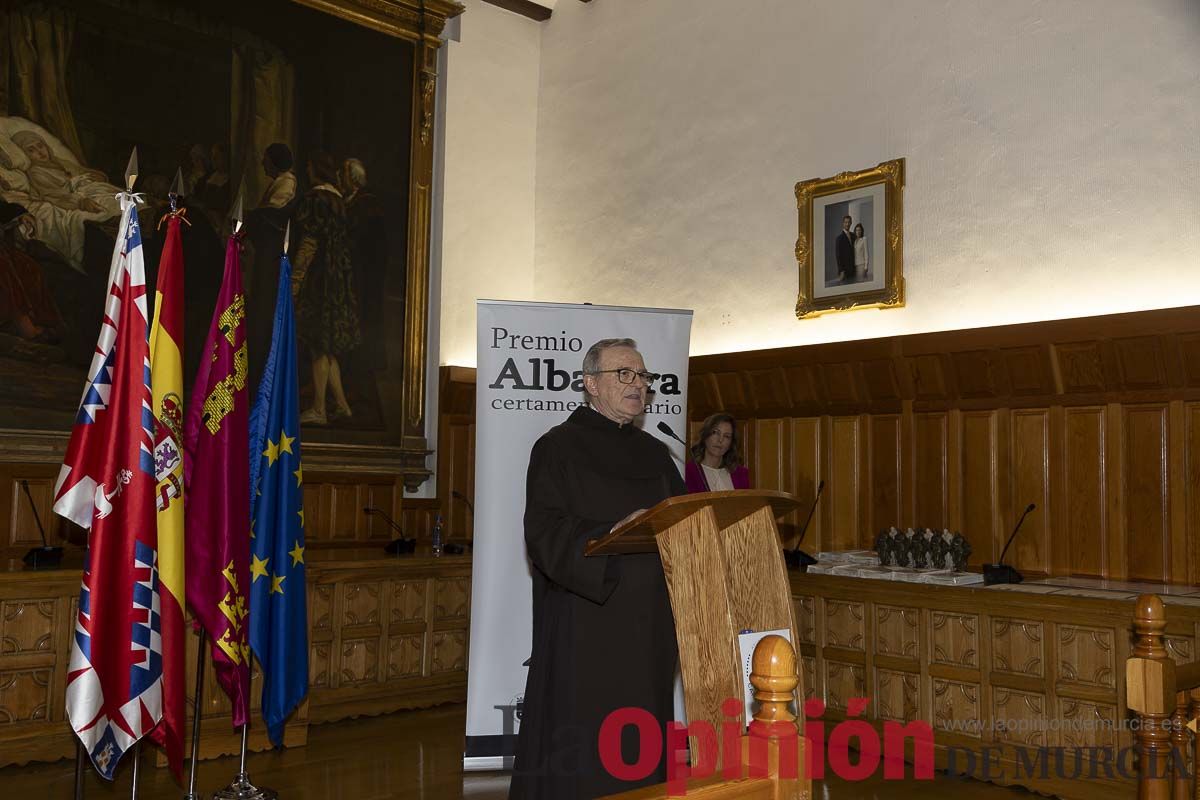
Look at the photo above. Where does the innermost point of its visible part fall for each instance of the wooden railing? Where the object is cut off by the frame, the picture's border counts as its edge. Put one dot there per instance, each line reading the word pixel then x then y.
pixel 1166 698
pixel 774 677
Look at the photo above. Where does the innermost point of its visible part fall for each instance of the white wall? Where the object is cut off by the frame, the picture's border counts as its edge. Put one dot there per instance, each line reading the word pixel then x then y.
pixel 1053 157
pixel 491 83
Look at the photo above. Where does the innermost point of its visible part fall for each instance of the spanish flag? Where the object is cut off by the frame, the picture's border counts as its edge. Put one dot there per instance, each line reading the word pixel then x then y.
pixel 166 370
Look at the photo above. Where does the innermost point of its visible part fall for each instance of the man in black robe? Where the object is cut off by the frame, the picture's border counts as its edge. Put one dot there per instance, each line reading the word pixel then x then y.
pixel 603 633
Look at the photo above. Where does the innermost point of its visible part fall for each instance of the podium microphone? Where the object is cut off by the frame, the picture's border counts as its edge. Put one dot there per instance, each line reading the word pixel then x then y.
pixel 460 496
pixel 798 559
pixel 1001 572
pixel 665 428
pixel 398 545
pixel 44 556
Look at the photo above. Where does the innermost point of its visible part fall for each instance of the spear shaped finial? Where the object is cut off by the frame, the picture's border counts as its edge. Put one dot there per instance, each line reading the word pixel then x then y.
pixel 287 235
pixel 237 214
pixel 131 171
pixel 176 188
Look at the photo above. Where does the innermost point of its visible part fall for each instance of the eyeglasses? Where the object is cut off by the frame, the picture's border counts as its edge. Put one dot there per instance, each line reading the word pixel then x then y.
pixel 626 375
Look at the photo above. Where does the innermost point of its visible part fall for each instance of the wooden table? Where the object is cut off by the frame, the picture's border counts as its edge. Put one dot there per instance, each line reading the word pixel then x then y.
pixel 991 669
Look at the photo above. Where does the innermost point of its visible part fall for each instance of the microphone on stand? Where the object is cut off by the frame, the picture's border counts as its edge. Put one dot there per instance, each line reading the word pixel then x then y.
pixel 398 545
pixel 45 556
pixel 457 495
pixel 798 559
pixel 451 548
pixel 665 428
pixel 1001 572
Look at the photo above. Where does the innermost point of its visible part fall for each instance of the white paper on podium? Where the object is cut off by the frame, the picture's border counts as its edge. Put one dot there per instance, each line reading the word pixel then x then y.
pixel 747 641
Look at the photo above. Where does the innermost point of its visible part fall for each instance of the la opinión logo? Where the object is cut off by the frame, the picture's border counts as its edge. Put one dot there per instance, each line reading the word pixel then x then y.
pixel 854 750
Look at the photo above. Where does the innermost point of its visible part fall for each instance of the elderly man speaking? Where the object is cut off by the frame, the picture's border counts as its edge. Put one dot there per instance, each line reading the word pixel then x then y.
pixel 603 635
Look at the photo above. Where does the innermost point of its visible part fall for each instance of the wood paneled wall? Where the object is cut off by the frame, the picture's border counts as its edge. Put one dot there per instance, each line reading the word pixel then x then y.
pixel 1095 420
pixel 456 451
pixel 337 487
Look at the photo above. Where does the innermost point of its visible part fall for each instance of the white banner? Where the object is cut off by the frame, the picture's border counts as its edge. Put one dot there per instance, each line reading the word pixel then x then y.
pixel 530 359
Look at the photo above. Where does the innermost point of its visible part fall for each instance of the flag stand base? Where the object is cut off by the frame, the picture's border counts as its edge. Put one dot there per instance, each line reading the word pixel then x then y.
pixel 243 789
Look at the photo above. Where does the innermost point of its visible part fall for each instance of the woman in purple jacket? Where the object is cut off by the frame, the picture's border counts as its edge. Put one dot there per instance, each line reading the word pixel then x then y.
pixel 716 464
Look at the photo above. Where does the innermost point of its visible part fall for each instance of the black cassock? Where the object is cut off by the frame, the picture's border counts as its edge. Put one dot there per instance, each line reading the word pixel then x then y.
pixel 603 635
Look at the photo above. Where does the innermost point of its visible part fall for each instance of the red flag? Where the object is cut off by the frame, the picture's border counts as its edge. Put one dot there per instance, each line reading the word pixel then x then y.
pixel 217 485
pixel 166 371
pixel 114 681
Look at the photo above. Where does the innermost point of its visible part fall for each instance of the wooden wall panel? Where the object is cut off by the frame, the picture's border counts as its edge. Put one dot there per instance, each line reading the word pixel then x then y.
pixel 980 517
pixel 1145 479
pixel 886 508
pixel 1083 520
pixel 21 532
pixel 769 467
pixel 1191 482
pixel 930 455
pixel 843 487
pixel 1031 484
pixel 805 456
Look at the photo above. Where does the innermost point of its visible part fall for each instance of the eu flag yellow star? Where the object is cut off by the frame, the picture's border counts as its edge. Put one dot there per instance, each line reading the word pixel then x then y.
pixel 277 583
pixel 285 442
pixel 299 473
pixel 301 513
pixel 258 567
pixel 272 452
pixel 297 554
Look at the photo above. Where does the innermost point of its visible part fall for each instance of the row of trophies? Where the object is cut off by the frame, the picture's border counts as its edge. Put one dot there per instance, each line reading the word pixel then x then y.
pixel 923 549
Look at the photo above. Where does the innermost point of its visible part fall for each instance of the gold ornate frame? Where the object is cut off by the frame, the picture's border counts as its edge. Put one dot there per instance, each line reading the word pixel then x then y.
pixel 404 449
pixel 891 175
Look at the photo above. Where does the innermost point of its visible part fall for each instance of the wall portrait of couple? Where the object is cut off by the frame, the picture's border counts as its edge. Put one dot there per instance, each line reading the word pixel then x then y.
pixel 307 116
pixel 849 247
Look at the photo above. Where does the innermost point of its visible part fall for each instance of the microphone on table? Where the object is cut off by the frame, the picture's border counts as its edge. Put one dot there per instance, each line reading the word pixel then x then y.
pixel 665 428
pixel 1001 572
pixel 44 556
pixel 457 495
pixel 798 559
pixel 450 548
pixel 398 545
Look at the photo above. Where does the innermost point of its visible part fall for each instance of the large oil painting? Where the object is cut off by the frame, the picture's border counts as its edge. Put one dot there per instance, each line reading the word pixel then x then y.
pixel 305 115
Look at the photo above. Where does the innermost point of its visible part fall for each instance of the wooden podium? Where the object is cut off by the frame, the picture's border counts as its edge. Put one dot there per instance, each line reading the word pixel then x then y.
pixel 725 572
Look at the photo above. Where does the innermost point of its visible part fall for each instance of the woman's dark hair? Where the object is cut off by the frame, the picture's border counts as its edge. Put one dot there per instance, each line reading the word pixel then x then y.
pixel 324 167
pixel 733 456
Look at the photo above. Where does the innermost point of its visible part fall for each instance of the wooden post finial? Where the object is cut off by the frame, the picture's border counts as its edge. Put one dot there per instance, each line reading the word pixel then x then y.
pixel 1149 622
pixel 773 676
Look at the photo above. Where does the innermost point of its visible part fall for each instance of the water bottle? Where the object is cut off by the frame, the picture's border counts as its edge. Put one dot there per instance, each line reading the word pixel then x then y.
pixel 437 536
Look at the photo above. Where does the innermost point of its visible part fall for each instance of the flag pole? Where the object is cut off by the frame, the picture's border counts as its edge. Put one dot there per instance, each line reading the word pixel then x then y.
pixel 79 764
pixel 242 788
pixel 191 792
pixel 137 761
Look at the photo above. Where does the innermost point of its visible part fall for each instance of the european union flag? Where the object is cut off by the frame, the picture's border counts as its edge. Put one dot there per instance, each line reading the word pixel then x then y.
pixel 278 617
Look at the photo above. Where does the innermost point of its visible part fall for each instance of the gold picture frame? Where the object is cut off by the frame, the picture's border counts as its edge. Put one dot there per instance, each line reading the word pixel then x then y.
pixel 840 270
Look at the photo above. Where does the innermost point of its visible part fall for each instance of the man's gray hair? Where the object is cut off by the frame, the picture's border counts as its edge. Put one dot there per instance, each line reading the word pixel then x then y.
pixel 591 361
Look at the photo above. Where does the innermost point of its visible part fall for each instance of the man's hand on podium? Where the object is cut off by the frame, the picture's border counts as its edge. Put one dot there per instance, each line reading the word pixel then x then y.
pixel 632 516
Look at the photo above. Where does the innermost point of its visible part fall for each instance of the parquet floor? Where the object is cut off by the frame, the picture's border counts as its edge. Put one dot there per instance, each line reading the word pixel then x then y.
pixel 415 755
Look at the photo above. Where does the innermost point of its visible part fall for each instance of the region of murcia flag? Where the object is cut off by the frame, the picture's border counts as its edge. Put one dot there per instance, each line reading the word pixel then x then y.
pixel 217 483
pixel 106 484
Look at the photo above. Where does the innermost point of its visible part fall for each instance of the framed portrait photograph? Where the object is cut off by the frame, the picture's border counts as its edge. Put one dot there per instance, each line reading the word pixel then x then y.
pixel 850 245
